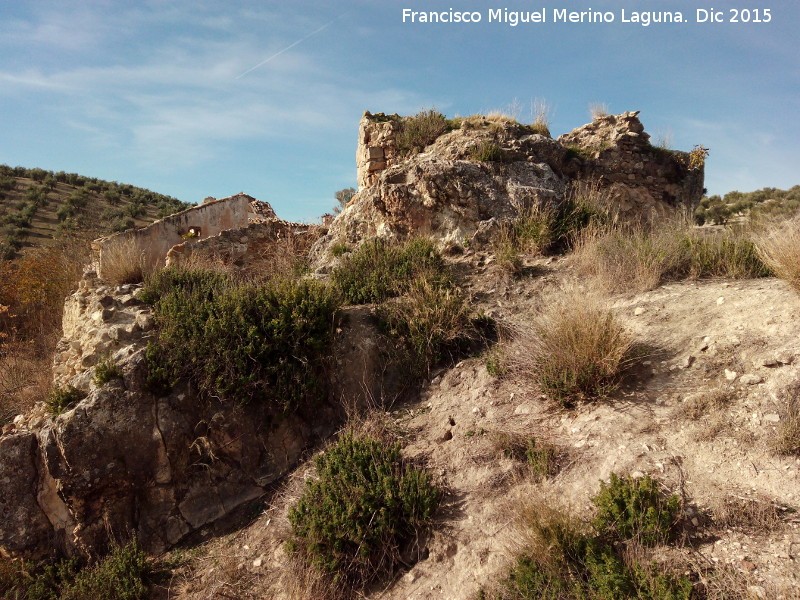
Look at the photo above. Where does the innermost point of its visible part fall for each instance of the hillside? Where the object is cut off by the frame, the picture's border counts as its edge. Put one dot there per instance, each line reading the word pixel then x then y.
pixel 38 206
pixel 509 369
pixel 763 203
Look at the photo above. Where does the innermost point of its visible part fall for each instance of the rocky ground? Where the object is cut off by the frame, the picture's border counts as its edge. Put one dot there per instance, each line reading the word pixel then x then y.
pixel 700 413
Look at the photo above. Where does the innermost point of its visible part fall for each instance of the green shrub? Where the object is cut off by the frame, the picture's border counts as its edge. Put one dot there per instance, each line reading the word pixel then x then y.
pixel 381 269
pixel 25 580
pixel 240 341
pixel 637 509
pixel 595 572
pixel 119 576
pixel 419 131
pixel 105 371
pixel 487 150
pixel 566 561
pixel 339 249
pixel 528 579
pixel 610 577
pixel 62 399
pixel 365 506
pixel 7 183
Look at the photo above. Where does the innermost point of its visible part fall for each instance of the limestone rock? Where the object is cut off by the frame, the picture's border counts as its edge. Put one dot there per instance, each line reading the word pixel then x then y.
pixel 24 525
pixel 125 461
pixel 446 194
pixel 443 194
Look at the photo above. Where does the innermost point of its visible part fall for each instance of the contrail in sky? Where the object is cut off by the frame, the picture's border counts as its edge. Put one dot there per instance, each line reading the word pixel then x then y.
pixel 290 46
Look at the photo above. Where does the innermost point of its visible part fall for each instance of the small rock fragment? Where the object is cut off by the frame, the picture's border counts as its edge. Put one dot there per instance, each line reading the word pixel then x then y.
pixel 756 592
pixel 750 379
pixel 730 375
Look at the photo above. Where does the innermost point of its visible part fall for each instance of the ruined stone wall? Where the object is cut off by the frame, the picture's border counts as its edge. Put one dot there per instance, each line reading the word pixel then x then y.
pixel 615 150
pixel 151 244
pixel 255 247
pixel 612 149
pixel 377 146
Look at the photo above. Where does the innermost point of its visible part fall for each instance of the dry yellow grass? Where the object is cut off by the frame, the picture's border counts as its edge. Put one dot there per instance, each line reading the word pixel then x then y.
pixel 122 261
pixel 575 348
pixel 598 110
pixel 779 248
pixel 637 257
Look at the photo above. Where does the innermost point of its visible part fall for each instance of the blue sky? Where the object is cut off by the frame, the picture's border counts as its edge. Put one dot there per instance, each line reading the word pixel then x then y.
pixel 209 98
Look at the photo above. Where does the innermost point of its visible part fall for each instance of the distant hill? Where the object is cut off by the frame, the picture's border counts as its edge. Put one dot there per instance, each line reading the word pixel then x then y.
pixel 39 206
pixel 767 202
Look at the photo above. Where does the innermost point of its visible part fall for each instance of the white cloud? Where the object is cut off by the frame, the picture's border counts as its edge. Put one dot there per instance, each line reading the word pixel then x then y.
pixel 180 103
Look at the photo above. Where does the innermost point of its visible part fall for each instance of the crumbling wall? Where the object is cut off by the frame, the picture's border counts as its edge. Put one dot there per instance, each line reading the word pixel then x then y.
pixel 259 245
pixel 377 146
pixel 152 243
pixel 644 179
pixel 613 149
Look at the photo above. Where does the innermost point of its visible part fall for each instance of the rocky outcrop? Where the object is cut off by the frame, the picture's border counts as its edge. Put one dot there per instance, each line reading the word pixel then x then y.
pixel 444 193
pixel 99 321
pixel 485 171
pixel 125 461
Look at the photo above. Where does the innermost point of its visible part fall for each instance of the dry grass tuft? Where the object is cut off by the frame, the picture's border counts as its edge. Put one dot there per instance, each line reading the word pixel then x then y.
pixel 598 110
pixel 756 514
pixel 639 257
pixel 575 349
pixel 24 378
pixel 123 261
pixel 540 456
pixel 787 441
pixel 550 532
pixel 496 116
pixel 540 116
pixel 779 248
pixel 699 405
pixel 531 232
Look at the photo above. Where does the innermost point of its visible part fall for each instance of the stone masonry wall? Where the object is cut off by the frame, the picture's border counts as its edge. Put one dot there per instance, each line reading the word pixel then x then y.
pixel 256 246
pixel 615 150
pixel 152 243
pixel 377 148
